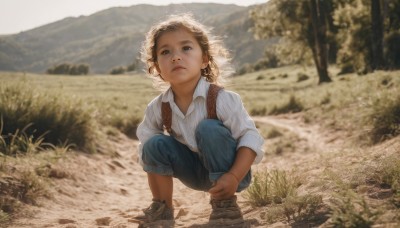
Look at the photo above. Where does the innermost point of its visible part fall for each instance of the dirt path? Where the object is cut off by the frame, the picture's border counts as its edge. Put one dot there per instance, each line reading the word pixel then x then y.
pixel 312 134
pixel 104 191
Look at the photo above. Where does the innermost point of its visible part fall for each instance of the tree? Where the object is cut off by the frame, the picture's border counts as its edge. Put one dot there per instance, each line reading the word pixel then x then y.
pixel 299 24
pixel 377 35
pixel 117 70
pixel 319 44
pixel 70 69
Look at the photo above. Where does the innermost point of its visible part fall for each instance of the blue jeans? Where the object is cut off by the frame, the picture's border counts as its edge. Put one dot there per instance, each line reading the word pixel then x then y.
pixel 164 155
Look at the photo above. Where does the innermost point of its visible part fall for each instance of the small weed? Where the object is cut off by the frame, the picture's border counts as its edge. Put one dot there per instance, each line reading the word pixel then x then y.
pixel 4 217
pixel 271 187
pixel 302 77
pixel 260 191
pixel 326 99
pixel 351 210
pixel 387 173
pixel 273 133
pixel 298 208
pixel 260 77
pixel 127 126
pixel 292 106
pixel 31 188
pixel 258 111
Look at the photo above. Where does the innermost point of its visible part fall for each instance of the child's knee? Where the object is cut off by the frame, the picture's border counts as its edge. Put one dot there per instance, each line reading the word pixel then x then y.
pixel 154 146
pixel 210 128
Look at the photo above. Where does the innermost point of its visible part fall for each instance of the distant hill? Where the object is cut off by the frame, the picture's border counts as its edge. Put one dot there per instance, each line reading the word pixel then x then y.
pixel 113 37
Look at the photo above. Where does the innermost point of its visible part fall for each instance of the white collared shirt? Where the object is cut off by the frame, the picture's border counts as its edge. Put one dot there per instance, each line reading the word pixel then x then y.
pixel 230 111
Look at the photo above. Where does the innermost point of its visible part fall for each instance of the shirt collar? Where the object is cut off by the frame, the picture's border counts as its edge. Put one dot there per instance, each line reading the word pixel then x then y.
pixel 200 91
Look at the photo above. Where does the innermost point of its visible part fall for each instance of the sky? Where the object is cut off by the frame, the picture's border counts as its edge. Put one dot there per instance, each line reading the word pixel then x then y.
pixel 23 15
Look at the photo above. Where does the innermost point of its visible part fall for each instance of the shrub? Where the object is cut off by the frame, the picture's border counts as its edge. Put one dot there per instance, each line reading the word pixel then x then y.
pixel 292 106
pixel 258 111
pixel 351 210
pixel 393 49
pixel 19 142
pixel 302 77
pixel 127 126
pixel 271 187
pixel 66 68
pixel 273 133
pixel 48 118
pixel 387 173
pixel 386 119
pixel 117 70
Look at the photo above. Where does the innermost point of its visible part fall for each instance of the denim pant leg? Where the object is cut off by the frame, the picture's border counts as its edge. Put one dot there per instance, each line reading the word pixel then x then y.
pixel 165 155
pixel 218 150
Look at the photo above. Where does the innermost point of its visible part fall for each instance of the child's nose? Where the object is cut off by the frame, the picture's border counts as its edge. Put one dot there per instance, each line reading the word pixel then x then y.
pixel 175 58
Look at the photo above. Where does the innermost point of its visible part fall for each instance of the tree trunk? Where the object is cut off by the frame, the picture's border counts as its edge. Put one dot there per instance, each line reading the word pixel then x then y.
pixel 320 50
pixel 377 35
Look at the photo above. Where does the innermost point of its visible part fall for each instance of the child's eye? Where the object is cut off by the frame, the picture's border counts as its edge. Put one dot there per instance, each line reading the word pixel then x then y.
pixel 187 48
pixel 164 52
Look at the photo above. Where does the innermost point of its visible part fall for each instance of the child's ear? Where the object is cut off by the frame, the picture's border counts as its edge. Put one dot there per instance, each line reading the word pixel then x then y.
pixel 205 62
pixel 157 68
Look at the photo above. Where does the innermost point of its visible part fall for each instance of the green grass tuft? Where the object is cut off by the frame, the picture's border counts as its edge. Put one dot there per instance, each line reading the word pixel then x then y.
pixel 29 116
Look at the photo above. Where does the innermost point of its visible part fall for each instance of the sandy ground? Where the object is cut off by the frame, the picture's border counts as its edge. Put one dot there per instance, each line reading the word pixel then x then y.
pixel 104 191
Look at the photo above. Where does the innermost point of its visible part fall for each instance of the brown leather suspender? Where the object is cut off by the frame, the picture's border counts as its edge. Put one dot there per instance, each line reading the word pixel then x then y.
pixel 211 104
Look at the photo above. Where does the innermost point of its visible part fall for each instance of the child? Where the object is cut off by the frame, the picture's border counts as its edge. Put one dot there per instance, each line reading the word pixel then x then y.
pixel 211 153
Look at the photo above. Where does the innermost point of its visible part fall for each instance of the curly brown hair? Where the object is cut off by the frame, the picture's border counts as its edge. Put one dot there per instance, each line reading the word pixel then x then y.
pixel 211 47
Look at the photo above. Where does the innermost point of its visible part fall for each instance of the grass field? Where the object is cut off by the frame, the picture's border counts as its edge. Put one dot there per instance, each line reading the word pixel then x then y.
pixel 363 110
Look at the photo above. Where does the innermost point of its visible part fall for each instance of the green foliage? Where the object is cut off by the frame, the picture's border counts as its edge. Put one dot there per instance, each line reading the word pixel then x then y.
pixel 300 208
pixel 126 125
pixel 31 119
pixel 279 190
pixel 393 49
pixel 385 118
pixel 19 143
pixel 387 173
pixel 4 217
pixel 351 210
pixel 302 77
pixel 117 70
pixel 260 111
pixel 69 69
pixel 24 187
pixel 353 20
pixel 292 106
pixel 273 133
pixel 260 191
pixel 271 187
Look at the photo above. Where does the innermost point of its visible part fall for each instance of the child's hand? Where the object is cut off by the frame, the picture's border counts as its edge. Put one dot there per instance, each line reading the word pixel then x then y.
pixel 225 187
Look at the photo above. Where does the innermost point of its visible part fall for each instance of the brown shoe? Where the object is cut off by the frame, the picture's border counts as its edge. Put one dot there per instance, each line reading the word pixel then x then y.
pixel 225 209
pixel 157 210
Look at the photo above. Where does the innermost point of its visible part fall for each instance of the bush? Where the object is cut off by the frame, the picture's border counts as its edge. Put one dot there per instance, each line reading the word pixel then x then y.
pixel 271 187
pixel 302 77
pixel 69 69
pixel 292 106
pixel 46 117
pixel 393 50
pixel 351 210
pixel 126 126
pixel 117 70
pixel 386 120
pixel 387 173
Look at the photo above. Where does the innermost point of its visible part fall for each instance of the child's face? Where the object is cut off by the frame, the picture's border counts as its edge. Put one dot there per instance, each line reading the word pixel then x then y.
pixel 179 57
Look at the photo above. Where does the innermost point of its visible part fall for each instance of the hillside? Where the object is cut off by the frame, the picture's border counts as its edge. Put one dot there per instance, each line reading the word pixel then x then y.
pixel 113 37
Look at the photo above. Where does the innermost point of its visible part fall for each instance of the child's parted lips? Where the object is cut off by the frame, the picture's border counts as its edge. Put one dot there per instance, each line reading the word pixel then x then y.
pixel 178 67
